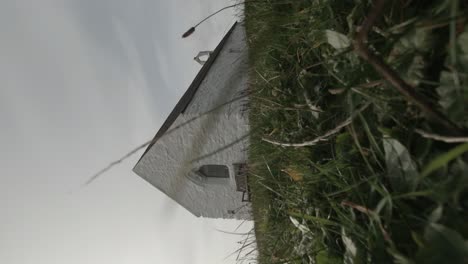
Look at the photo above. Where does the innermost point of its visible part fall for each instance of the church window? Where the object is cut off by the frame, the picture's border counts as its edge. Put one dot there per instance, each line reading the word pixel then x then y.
pixel 214 171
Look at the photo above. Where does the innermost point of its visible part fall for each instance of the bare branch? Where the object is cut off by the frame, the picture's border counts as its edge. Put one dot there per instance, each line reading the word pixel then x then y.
pixel 391 76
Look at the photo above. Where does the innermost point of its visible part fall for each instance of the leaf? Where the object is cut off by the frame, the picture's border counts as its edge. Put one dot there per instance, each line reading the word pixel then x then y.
pixel 327 257
pixel 303 228
pixel 350 248
pixel 294 173
pixel 352 19
pixel 337 40
pixel 401 169
pixel 415 41
pixel 409 52
pixel 399 258
pixel 314 219
pixel 454 239
pixel 417 239
pixel 443 245
pixel 418 39
pixel 436 214
pixel 452 99
pixel 444 159
pixel 385 208
pixel 400 28
pixel 453 89
pixel 462 42
pixel 306 241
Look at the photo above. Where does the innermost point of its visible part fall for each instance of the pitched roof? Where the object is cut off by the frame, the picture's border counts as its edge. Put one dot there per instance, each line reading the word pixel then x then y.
pixel 185 100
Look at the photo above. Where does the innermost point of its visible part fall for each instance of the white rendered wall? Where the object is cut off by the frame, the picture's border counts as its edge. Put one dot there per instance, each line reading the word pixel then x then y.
pixel 203 136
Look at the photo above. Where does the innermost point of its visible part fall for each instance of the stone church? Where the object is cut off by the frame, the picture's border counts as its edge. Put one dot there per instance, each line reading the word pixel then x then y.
pixel 198 157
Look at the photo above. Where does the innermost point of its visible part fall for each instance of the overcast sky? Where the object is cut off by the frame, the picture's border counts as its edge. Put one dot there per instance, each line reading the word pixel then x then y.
pixel 83 82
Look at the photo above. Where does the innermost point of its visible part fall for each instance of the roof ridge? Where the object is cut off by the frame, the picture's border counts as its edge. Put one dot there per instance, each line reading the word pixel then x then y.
pixel 187 97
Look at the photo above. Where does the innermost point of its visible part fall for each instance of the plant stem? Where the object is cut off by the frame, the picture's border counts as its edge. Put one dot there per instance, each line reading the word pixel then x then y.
pixel 392 77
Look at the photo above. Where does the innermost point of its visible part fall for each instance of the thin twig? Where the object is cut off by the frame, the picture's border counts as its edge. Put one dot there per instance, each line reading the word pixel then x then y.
pixel 363 85
pixel 243 246
pixel 324 137
pixel 391 76
pixel 437 137
pixel 99 173
pixel 112 164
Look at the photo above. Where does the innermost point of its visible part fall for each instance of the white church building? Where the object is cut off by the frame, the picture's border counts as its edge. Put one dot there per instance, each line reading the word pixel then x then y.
pixel 199 155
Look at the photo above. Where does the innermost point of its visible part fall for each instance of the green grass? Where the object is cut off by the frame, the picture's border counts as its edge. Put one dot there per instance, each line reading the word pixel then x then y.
pixel 376 191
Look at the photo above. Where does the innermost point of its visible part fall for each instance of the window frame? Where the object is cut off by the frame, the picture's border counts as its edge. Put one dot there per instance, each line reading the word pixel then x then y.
pixel 199 178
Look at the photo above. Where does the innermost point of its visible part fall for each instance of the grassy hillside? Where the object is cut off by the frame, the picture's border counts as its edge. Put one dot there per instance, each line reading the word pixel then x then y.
pixel 346 165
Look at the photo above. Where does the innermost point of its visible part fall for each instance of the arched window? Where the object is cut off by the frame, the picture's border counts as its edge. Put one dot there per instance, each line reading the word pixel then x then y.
pixel 214 171
pixel 210 174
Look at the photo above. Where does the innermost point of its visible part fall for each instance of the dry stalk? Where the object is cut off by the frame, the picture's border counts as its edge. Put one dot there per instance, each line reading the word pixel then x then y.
pixel 324 137
pixel 371 214
pixel 364 85
pixel 445 139
pixel 112 164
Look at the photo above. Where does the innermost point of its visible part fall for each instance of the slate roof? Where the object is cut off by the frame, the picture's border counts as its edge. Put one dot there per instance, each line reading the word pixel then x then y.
pixel 185 100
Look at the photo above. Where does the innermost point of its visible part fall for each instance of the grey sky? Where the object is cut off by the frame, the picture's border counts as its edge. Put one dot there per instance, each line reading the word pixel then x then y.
pixel 83 82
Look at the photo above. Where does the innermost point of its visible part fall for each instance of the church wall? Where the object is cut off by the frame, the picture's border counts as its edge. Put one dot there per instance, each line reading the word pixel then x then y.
pixel 206 133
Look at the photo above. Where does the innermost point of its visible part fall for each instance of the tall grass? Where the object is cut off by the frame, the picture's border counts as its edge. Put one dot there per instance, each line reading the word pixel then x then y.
pixel 378 190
